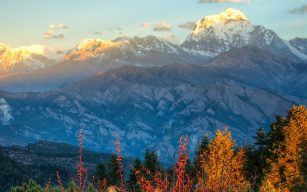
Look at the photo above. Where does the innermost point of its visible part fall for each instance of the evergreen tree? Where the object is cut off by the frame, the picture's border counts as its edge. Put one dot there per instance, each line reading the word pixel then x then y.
pixel 260 138
pixel 132 182
pixel 101 172
pixel 112 172
pixel 201 152
pixel 151 161
pixel 256 156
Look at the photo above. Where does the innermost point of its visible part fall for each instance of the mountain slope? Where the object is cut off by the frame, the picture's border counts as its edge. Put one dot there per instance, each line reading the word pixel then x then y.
pixel 149 107
pixel 300 44
pixel 231 29
pixel 95 56
pixel 41 160
pixel 23 59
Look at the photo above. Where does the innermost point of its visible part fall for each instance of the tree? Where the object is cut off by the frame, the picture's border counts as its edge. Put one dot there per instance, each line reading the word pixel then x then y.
pixel 255 157
pixel 112 172
pixel 287 141
pixel 101 172
pixel 203 146
pixel 132 182
pixel 151 161
pixel 260 138
pixel 222 167
pixel 201 151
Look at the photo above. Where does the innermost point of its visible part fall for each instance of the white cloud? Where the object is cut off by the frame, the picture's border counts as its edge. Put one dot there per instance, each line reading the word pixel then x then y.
pixel 145 25
pixel 51 35
pixel 57 26
pixel 187 25
pixel 163 26
pixel 225 1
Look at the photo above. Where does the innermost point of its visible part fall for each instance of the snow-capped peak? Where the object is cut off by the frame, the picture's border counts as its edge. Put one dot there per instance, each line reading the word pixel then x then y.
pixel 92 43
pixel 89 48
pixel 27 51
pixel 24 58
pixel 39 50
pixel 225 17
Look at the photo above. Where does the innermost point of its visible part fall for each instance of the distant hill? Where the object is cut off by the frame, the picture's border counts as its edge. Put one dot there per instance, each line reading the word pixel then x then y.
pixel 41 160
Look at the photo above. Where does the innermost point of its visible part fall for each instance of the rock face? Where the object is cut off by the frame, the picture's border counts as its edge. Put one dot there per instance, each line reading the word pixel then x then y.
pixel 154 106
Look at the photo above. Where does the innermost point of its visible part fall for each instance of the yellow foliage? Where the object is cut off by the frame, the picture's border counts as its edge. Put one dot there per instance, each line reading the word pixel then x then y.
pixel 285 170
pixel 222 167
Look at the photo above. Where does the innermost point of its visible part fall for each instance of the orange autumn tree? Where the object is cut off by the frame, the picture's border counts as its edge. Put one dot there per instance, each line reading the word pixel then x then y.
pixel 221 166
pixel 287 159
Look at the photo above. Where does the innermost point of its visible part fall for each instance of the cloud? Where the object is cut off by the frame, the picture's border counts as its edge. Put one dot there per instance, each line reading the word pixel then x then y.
pixel 299 10
pixel 225 1
pixel 145 25
pixel 97 33
pixel 163 26
pixel 51 35
pixel 187 25
pixel 57 26
pixel 298 23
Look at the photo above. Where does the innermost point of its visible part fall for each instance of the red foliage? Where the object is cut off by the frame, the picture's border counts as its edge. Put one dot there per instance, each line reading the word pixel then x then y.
pixel 183 181
pixel 120 166
pixel 80 166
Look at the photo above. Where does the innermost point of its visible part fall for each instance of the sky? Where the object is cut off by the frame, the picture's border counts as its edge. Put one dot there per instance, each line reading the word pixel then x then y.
pixel 62 24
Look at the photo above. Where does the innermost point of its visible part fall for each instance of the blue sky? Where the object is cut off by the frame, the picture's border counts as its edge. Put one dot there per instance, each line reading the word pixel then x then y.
pixel 25 22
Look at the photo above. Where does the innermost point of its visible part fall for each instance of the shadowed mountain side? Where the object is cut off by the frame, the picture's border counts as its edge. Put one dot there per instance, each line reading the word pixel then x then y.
pixel 146 106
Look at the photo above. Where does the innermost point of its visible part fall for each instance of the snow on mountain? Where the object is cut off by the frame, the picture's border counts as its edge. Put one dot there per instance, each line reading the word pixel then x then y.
pixel 90 48
pixel 138 51
pixel 296 51
pixel 24 58
pixel 299 47
pixel 5 112
pixel 223 18
pixel 232 29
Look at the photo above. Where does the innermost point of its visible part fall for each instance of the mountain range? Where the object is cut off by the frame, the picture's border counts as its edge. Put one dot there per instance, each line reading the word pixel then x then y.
pixel 228 72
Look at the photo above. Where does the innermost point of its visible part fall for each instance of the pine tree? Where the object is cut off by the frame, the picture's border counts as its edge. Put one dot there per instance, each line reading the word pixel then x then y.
pixel 201 151
pixel 151 161
pixel 260 138
pixel 112 172
pixel 101 172
pixel 256 156
pixel 194 168
pixel 132 182
pixel 203 146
